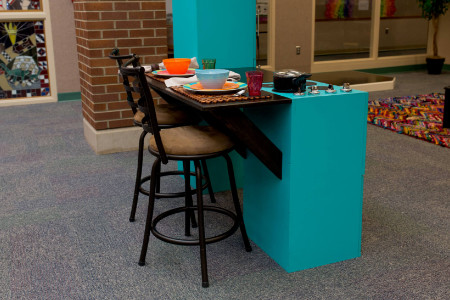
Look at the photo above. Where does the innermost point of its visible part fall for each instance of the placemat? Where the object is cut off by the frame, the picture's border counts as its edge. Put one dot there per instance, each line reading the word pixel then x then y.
pixel 153 76
pixel 202 98
pixel 207 99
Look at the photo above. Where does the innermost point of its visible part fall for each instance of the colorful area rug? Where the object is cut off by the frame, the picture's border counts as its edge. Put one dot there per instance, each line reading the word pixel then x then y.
pixel 418 116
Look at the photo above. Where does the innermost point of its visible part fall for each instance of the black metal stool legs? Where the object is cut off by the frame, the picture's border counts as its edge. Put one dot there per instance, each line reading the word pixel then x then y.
pixel 138 176
pixel 189 209
pixel 151 204
pixel 237 205
pixel 158 179
pixel 140 181
pixel 189 214
pixel 201 225
pixel 210 189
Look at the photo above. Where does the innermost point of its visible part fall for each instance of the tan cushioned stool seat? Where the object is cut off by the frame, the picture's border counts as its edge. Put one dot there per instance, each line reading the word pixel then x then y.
pixel 138 116
pixel 168 115
pixel 192 140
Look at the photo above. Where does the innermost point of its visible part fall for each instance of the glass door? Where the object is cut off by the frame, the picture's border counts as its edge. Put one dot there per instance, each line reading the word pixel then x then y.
pixel 342 29
pixel 369 29
pixel 402 29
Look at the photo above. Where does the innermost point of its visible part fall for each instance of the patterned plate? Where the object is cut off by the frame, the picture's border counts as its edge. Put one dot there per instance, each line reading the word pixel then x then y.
pixel 228 87
pixel 164 73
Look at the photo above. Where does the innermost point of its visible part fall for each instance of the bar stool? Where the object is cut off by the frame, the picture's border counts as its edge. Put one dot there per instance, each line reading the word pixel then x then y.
pixel 187 143
pixel 169 116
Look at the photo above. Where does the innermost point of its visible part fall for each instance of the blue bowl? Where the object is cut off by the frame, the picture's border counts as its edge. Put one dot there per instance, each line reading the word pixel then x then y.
pixel 212 78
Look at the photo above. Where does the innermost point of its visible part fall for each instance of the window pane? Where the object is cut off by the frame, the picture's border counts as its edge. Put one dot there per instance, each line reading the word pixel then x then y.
pixel 399 19
pixel 20 5
pixel 262 9
pixel 23 60
pixel 342 29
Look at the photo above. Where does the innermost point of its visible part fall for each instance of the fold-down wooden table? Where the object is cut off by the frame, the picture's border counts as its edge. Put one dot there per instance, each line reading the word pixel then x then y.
pixel 228 117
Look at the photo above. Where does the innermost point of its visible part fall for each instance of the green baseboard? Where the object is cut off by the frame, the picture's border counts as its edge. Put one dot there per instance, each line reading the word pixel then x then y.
pixel 69 96
pixel 446 67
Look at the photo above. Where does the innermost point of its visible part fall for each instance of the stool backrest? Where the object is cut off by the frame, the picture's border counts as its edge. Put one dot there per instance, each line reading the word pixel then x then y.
pixel 119 59
pixel 137 76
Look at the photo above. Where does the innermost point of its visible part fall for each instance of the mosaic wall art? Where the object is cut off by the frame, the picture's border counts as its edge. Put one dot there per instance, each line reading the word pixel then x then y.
pixel 20 5
pixel 23 60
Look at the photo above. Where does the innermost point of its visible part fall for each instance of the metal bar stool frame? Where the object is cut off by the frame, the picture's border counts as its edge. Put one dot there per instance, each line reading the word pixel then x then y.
pixel 133 60
pixel 162 157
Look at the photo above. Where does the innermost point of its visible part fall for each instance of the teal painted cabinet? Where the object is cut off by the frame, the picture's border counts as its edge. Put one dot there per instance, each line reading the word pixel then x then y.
pixel 313 215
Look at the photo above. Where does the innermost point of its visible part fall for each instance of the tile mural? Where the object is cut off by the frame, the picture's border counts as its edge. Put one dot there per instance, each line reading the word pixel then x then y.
pixel 20 5
pixel 23 60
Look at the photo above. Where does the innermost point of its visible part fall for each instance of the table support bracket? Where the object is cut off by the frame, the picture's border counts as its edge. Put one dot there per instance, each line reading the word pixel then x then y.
pixel 243 130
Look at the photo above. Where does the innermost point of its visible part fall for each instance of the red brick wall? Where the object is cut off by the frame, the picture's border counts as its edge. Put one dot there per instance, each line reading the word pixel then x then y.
pixel 132 26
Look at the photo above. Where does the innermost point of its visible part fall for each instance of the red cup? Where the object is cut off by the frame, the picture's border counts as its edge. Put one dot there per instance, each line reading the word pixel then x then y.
pixel 254 82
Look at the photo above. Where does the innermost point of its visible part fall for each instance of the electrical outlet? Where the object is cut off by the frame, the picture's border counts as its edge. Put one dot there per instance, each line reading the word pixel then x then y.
pixel 298 50
pixel 262 9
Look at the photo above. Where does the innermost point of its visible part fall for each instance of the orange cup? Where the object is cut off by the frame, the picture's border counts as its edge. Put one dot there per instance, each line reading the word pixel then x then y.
pixel 177 65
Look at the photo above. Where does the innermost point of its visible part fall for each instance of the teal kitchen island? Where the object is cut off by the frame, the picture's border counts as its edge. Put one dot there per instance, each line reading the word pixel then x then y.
pixel 313 215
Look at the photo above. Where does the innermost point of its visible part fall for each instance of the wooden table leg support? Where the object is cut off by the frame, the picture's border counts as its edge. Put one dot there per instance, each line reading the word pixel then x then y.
pixel 236 123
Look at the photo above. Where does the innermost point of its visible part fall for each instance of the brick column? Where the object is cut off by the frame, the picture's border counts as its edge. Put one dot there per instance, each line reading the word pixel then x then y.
pixel 132 26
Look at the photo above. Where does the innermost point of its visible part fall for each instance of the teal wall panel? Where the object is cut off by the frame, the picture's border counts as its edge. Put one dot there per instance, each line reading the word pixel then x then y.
pixel 224 30
pixel 326 227
pixel 185 28
pixel 330 133
pixel 266 211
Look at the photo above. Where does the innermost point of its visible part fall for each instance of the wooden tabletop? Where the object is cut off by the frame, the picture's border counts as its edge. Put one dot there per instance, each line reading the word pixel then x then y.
pixel 229 118
pixel 160 87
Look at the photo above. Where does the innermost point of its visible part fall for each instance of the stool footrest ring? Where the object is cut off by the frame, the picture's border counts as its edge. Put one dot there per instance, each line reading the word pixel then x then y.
pixel 170 195
pixel 196 242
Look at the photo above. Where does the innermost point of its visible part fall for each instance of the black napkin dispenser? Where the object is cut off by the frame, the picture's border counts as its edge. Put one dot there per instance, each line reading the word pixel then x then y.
pixel 290 81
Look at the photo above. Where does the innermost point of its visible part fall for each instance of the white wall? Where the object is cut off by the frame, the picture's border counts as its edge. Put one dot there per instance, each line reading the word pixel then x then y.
pixel 293 28
pixel 65 47
pixel 168 6
pixel 444 37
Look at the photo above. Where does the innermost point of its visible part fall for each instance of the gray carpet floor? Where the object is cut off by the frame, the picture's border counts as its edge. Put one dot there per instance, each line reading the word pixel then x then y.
pixel 64 230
